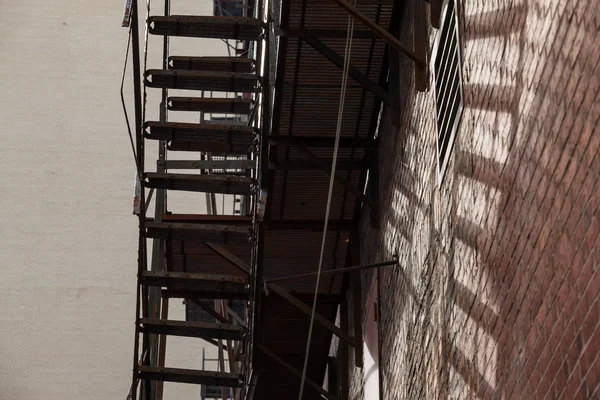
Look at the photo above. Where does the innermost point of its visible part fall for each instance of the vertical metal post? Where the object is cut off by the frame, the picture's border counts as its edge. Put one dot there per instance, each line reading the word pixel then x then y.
pixel 356 301
pixel 344 373
pixel 163 346
pixel 221 355
pixel 137 92
pixel 264 165
pixel 202 392
pixel 394 85
pixel 435 12
pixel 420 40
pixel 154 297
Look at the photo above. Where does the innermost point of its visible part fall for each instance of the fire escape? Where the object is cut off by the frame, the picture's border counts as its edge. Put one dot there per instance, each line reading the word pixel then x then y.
pixel 281 83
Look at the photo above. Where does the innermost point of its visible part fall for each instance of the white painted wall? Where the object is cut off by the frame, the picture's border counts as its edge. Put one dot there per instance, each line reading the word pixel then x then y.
pixel 68 239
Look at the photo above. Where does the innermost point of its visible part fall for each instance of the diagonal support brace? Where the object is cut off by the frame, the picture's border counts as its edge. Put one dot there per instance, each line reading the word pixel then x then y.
pixel 358 76
pixel 297 373
pixel 240 264
pixel 379 31
pixel 308 311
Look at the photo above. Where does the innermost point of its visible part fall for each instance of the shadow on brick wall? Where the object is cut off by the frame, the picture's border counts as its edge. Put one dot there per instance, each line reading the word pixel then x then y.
pixel 495 296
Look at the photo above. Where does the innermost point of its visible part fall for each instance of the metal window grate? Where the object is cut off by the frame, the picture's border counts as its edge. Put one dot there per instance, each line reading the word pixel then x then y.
pixel 448 85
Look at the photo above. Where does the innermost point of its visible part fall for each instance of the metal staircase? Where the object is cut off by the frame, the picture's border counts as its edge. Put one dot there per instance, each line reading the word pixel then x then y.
pixel 232 150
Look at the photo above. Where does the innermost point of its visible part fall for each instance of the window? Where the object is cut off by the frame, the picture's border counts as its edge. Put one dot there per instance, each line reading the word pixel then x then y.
pixel 448 85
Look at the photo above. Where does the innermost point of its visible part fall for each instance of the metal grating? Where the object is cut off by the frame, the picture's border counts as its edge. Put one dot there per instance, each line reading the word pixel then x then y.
pixel 448 85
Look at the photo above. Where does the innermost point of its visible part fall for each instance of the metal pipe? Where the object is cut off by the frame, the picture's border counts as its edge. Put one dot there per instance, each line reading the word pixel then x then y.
pixel 336 271
pixel 135 49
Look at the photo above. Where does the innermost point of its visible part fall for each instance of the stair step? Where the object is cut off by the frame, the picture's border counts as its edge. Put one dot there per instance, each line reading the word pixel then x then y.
pixel 214 233
pixel 228 184
pixel 218 27
pixel 192 329
pixel 223 64
pixel 186 145
pixel 201 80
pixel 207 286
pixel 181 375
pixel 210 105
pixel 226 166
pixel 213 138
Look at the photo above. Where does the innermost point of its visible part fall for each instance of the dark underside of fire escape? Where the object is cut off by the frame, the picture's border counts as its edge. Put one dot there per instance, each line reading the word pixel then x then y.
pixel 292 134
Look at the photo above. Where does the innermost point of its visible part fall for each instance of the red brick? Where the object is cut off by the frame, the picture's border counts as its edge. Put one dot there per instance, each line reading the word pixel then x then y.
pixel 535 244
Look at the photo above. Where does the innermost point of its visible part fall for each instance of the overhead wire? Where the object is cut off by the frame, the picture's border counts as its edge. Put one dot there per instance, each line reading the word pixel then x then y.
pixel 347 53
pixel 137 165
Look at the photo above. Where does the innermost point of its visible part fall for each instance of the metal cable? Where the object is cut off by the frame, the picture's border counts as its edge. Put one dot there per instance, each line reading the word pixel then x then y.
pixel 137 165
pixel 347 52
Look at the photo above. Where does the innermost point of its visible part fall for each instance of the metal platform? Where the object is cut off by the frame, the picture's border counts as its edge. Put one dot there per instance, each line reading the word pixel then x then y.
pixel 206 27
pixel 201 80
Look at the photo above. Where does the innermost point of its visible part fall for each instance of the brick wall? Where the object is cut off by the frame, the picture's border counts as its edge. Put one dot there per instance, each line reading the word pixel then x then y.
pixel 496 295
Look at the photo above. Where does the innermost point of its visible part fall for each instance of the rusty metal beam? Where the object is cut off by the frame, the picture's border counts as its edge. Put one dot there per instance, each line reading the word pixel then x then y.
pixel 195 281
pixel 228 184
pixel 420 40
pixel 217 27
pixel 224 226
pixel 358 76
pixel 195 329
pixel 293 165
pixel 190 376
pixel 297 373
pixel 379 31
